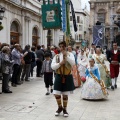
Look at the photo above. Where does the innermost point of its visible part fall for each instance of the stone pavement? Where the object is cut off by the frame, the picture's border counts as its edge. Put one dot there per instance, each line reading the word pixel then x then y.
pixel 29 102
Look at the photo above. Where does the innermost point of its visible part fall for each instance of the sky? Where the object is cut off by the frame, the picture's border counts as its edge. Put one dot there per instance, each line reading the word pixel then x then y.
pixel 83 2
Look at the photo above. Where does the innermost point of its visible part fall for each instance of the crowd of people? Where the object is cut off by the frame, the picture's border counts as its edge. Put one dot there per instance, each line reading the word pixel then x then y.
pixel 95 69
pixel 17 64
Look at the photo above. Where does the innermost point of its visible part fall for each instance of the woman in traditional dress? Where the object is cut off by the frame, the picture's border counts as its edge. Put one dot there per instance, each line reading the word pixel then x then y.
pixel 82 63
pixel 91 53
pixel 93 88
pixel 100 62
pixel 75 72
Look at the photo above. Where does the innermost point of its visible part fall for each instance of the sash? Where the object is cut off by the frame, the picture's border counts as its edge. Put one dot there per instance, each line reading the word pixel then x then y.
pixel 101 83
pixel 106 69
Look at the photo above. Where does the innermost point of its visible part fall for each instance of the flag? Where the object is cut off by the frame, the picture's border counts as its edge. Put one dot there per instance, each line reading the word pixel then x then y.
pixel 73 16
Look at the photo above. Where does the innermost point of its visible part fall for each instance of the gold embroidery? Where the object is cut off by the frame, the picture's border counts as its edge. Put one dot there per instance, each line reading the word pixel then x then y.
pixel 101 83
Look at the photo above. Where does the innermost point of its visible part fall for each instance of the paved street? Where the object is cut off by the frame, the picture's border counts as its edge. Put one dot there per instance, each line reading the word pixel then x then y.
pixel 29 102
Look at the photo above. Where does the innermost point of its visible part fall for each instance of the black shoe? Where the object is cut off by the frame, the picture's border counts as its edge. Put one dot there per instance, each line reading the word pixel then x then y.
pixel 19 83
pixel 65 114
pixel 14 85
pixel 112 87
pixel 7 91
pixel 47 93
pixel 57 113
pixel 116 86
pixel 51 90
pixel 27 80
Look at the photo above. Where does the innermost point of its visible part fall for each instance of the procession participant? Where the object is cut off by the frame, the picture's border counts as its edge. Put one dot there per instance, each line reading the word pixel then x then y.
pixel 114 59
pixel 91 53
pixel 100 62
pixel 94 87
pixel 75 72
pixel 63 85
pixel 82 63
pixel 106 52
pixel 93 46
pixel 48 73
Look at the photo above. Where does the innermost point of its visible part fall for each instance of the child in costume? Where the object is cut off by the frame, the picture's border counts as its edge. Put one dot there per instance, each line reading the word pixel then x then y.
pixel 48 73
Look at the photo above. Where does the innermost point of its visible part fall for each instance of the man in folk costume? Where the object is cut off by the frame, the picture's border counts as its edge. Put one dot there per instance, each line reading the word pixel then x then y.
pixel 114 59
pixel 63 85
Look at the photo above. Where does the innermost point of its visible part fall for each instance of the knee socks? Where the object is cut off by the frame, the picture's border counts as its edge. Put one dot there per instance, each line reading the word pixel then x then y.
pixel 58 100
pixel 65 101
pixel 113 82
pixel 116 81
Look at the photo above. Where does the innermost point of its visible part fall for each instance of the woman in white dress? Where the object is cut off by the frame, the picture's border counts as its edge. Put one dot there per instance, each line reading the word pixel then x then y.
pixel 91 53
pixel 100 62
pixel 82 63
pixel 93 88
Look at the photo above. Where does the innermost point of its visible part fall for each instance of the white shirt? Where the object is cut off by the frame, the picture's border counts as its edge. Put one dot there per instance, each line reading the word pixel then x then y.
pixel 115 51
pixel 70 58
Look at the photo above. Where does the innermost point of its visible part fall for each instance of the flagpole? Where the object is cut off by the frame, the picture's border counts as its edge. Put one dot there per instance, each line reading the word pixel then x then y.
pixel 67 22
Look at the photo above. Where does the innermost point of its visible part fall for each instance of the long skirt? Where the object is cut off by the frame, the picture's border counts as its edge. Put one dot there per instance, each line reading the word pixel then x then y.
pixel 104 76
pixel 92 90
pixel 76 76
pixel 81 70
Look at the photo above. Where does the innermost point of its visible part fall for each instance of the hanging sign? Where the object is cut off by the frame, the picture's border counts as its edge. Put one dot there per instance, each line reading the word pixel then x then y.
pixel 51 15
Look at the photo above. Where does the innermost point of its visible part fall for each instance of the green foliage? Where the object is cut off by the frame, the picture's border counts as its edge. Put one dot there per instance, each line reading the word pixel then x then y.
pixel 1 27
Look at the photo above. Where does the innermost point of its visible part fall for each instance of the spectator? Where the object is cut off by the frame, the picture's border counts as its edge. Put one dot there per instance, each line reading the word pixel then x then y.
pixel 16 56
pixel 33 62
pixel 52 51
pixel 56 50
pixel 40 58
pixel 6 67
pixel 26 67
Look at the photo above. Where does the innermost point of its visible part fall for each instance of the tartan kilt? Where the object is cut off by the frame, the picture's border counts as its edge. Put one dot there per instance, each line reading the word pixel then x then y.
pixel 63 88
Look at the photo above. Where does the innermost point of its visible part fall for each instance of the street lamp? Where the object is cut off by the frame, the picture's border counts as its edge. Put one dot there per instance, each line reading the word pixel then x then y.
pixel 2 10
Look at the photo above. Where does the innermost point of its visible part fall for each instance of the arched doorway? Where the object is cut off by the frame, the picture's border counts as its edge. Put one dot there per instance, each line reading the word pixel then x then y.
pixel 35 37
pixel 14 33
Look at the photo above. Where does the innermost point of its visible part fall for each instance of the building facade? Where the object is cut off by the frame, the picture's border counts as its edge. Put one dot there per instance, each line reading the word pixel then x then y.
pixel 106 12
pixel 22 24
pixel 83 21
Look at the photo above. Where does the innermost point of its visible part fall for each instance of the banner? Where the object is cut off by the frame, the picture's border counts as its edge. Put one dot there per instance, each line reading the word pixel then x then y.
pixel 73 16
pixel 51 15
pixel 98 35
pixel 63 16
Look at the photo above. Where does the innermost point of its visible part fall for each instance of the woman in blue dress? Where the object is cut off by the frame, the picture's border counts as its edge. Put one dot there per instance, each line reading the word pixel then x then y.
pixel 94 87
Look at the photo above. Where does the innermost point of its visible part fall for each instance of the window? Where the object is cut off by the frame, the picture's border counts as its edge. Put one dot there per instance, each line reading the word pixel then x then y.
pixel 101 15
pixel 78 19
pixel 80 27
pixel 35 36
pixel 70 18
pixel 14 27
pixel 80 37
